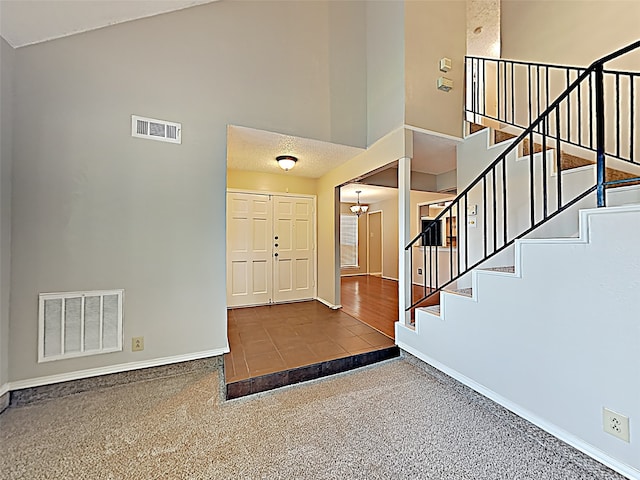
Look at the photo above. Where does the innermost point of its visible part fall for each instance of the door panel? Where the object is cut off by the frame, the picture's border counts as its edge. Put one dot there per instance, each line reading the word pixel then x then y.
pixel 302 276
pixel 294 227
pixel 249 261
pixel 284 275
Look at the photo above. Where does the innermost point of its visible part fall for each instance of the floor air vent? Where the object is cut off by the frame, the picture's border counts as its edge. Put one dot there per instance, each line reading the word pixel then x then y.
pixel 76 324
pixel 154 129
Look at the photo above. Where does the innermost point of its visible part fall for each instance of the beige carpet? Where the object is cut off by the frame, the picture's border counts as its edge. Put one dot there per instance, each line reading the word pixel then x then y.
pixel 388 421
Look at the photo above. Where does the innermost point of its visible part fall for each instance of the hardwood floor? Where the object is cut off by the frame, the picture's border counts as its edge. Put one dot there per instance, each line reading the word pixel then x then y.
pixel 374 301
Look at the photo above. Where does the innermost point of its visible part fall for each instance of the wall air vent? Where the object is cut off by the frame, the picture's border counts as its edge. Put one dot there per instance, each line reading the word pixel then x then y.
pixel 154 129
pixel 75 324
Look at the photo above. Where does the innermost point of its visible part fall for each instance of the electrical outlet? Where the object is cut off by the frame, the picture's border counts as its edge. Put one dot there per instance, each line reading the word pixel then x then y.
pixel 137 344
pixel 615 424
pixel 419 271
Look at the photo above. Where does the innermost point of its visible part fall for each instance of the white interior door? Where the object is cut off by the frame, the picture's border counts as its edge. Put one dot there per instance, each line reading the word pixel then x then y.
pixel 249 249
pixel 294 269
pixel 270 249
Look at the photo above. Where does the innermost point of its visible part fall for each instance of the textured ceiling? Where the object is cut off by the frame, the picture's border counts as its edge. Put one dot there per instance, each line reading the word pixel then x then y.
pixel 25 22
pixel 370 193
pixel 256 150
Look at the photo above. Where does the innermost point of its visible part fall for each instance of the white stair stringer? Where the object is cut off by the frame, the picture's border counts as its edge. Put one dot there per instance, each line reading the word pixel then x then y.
pixel 556 341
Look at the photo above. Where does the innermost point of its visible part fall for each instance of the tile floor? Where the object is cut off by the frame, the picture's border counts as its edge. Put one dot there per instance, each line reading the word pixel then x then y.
pixel 269 339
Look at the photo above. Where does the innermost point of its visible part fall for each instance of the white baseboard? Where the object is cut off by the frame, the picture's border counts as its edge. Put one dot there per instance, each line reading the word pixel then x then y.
pixel 390 278
pixel 4 389
pixel 577 443
pixel 123 367
pixel 328 304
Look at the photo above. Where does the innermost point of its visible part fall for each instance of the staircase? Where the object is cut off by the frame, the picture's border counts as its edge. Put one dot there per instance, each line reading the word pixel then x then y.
pixel 538 297
pixel 516 188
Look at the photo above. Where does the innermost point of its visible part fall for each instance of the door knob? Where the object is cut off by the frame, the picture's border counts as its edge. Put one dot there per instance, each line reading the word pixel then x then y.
pixel 275 255
pixel 276 237
pixel 276 245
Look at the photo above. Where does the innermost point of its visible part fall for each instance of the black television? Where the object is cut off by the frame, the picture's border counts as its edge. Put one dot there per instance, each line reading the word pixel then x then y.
pixel 431 232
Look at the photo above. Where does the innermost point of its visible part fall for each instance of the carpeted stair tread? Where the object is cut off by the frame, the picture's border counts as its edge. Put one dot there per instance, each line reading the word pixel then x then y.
pixel 505 269
pixel 475 127
pixel 612 174
pixel 537 147
pixel 500 136
pixel 568 161
pixel 465 292
pixel 433 310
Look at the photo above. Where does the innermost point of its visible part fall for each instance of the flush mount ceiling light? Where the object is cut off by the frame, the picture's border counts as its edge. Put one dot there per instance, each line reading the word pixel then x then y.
pixel 359 209
pixel 286 162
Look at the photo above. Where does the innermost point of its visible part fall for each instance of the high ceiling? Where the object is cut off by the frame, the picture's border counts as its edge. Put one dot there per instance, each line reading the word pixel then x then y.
pixel 25 22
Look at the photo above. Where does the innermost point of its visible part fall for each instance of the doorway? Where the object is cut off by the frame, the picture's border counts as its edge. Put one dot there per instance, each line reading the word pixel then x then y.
pixel 374 239
pixel 270 248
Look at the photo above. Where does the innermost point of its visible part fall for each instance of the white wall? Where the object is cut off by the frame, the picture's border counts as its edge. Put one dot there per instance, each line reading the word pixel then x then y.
pixel 6 152
pixel 547 360
pixel 94 208
pixel 385 151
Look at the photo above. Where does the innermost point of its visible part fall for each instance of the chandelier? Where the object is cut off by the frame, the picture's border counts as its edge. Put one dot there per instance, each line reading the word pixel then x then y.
pixel 359 209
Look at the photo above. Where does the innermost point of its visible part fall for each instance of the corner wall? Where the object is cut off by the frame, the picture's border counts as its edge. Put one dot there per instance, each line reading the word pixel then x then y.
pixel 7 55
pixel 385 68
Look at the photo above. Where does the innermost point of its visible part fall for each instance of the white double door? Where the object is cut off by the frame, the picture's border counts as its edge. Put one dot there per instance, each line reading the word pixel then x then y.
pixel 270 249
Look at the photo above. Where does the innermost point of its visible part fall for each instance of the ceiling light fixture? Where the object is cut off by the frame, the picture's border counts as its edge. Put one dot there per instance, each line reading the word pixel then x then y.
pixel 286 162
pixel 359 209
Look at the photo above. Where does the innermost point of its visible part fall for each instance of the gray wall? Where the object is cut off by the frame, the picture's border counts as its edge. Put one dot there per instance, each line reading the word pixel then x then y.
pixel 95 208
pixel 385 68
pixel 6 109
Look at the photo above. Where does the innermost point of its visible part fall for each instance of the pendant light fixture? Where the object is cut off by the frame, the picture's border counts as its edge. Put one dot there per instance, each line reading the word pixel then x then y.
pixel 286 162
pixel 359 209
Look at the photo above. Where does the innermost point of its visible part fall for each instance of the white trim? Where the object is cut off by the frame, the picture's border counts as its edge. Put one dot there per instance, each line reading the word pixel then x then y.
pixel 123 367
pixel 375 212
pixel 328 304
pixel 389 278
pixel 435 134
pixel 6 388
pixel 265 193
pixel 559 433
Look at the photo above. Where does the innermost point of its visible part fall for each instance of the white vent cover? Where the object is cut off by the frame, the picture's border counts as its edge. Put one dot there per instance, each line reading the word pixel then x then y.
pixel 76 324
pixel 155 129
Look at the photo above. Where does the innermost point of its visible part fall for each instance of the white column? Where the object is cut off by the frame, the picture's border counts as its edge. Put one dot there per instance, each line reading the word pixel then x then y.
pixel 404 232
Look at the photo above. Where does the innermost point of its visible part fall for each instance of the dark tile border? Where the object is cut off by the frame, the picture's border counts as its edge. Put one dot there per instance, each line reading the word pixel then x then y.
pixel 4 401
pixel 271 381
pixel 34 394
